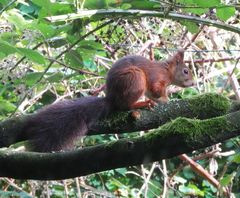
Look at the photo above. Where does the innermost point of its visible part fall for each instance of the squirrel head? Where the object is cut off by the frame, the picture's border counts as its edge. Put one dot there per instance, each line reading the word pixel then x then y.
pixel 182 75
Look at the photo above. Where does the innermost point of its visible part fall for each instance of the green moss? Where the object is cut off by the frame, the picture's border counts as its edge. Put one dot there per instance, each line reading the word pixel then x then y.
pixel 212 104
pixel 192 130
pixel 209 105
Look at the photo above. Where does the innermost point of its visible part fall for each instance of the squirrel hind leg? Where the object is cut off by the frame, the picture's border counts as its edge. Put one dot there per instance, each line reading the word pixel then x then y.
pixel 125 87
pixel 141 104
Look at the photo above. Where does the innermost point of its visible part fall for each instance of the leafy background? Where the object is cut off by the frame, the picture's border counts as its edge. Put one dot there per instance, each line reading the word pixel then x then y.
pixel 44 59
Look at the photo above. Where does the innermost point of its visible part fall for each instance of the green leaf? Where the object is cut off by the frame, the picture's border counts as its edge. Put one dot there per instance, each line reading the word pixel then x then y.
pixel 17 19
pixel 8 36
pixel 7 194
pixel 56 77
pixel 47 30
pixel 90 45
pixel 227 179
pixel 48 8
pixel 4 2
pixel 180 179
pixel 205 184
pixel 236 158
pixel 2 55
pixel 28 9
pixel 191 27
pixel 207 3
pixel 121 171
pixel 6 48
pixel 73 59
pixel 187 172
pixel 31 78
pixel 193 10
pixel 6 106
pixel 225 13
pixel 32 55
pixel 191 189
pixel 126 6
pixel 87 50
pixel 42 3
pixel 144 4
pixel 93 4
pixel 90 65
pixel 198 11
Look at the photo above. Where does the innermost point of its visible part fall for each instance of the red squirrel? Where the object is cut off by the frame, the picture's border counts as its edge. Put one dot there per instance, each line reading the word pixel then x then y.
pixel 57 126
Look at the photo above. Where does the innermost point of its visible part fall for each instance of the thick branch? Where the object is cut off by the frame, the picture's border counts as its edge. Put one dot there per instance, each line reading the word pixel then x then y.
pixel 179 136
pixel 202 107
pixel 141 13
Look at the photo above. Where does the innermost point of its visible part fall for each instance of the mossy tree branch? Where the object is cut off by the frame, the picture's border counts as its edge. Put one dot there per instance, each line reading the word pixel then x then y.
pixel 179 136
pixel 202 107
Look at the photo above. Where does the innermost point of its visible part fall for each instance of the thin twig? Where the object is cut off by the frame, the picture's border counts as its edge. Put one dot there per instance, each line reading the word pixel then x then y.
pixel 81 71
pixel 58 56
pixel 165 185
pixel 7 6
pixel 197 7
pixel 146 181
pixel 23 58
pixel 230 76
pixel 194 37
pixel 176 49
pixel 213 60
pixel 202 172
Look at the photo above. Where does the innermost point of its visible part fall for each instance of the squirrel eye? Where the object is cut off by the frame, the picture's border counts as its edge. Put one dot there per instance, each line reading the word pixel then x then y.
pixel 185 71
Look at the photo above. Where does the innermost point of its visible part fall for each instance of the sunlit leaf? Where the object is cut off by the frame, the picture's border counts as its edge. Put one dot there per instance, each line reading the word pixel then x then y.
pixel 31 78
pixel 7 48
pixel 207 4
pixel 191 189
pixel 7 194
pixel 73 59
pixel 126 6
pixel 56 77
pixel 17 19
pixel 225 13
pixel 6 106
pixel 227 179
pixel 191 27
pixel 32 55
pixel 236 158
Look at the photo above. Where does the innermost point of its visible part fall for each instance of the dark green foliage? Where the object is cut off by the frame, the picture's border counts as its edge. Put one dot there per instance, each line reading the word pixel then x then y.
pixel 29 81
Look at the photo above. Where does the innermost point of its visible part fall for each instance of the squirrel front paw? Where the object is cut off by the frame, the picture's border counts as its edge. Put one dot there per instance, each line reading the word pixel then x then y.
pixel 163 100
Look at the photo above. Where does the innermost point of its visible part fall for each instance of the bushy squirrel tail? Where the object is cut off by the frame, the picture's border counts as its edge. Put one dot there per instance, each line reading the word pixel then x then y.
pixel 57 126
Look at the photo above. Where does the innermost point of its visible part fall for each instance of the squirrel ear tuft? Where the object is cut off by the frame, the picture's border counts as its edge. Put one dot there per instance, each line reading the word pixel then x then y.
pixel 179 56
pixel 180 53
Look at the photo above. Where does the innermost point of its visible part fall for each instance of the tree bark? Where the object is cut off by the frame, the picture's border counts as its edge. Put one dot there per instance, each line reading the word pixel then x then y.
pixel 120 13
pixel 179 136
pixel 175 137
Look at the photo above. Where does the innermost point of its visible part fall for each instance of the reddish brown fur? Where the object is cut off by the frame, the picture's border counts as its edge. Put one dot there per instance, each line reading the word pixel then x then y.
pixel 134 76
pixel 58 125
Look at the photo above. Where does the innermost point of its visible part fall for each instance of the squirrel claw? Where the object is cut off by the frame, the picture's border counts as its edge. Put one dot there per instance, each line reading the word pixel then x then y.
pixel 150 104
